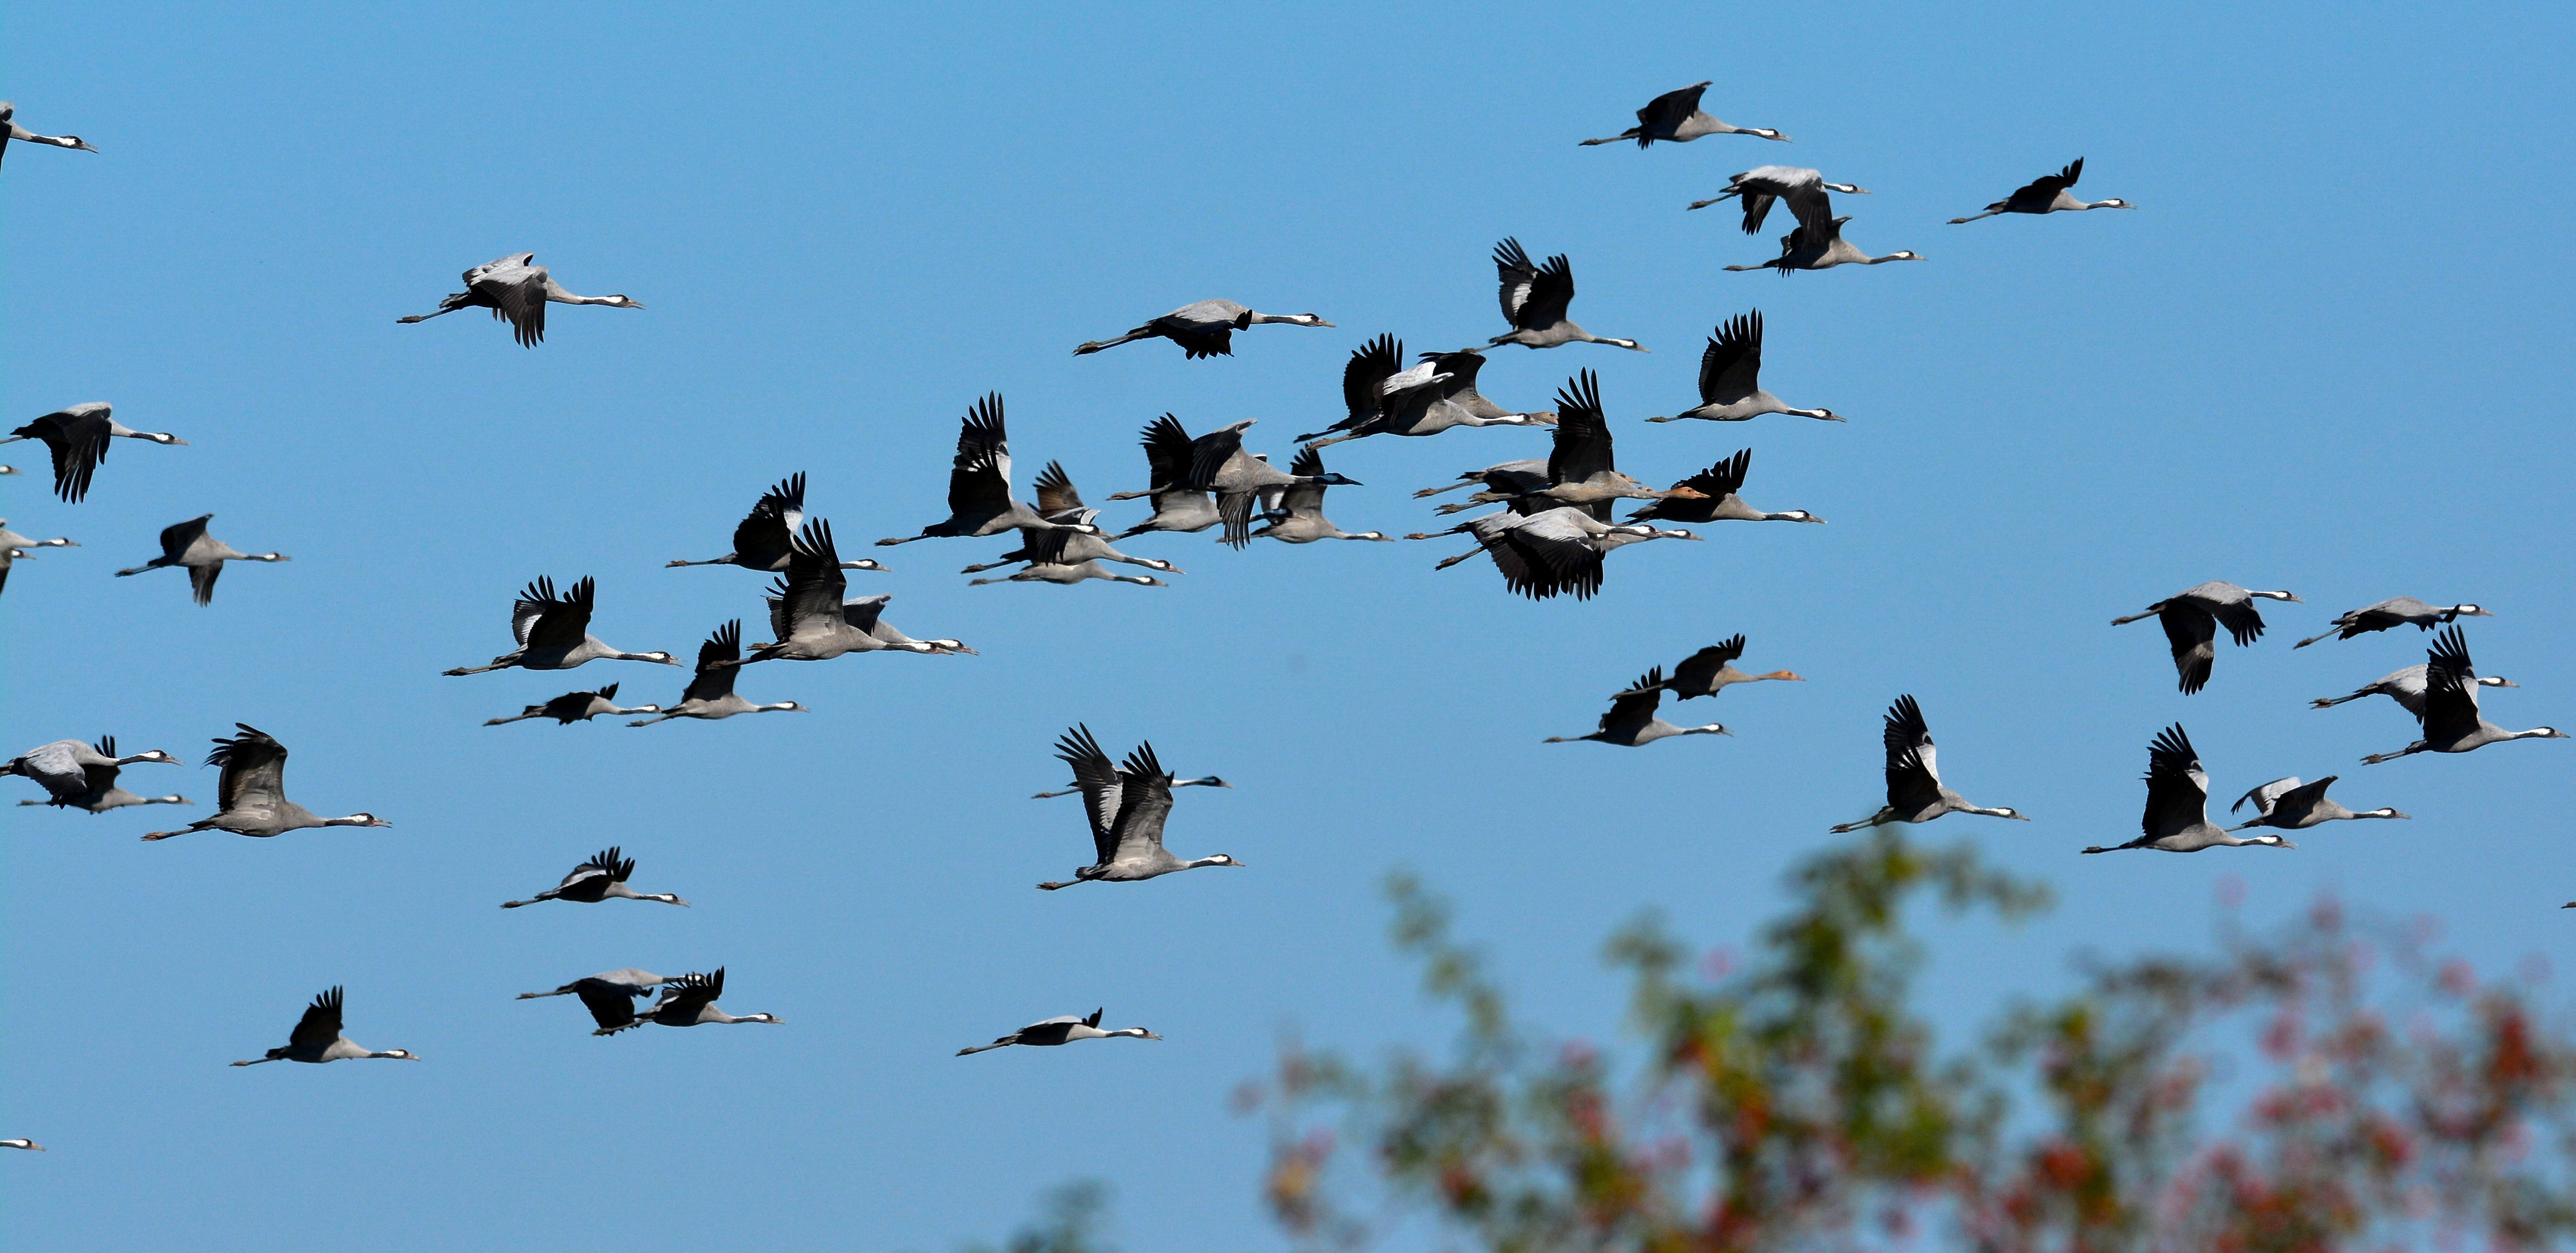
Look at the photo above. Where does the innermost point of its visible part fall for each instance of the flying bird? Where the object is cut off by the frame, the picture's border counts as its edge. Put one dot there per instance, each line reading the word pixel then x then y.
pixel 979 482
pixel 601 878
pixel 1168 457
pixel 1712 670
pixel 14 544
pixel 1060 502
pixel 609 996
pixel 317 1038
pixel 1205 329
pixel 690 1001
pixel 2403 611
pixel 1817 243
pixel 710 693
pixel 1127 807
pixel 1534 301
pixel 1302 519
pixel 762 541
pixel 185 545
pixel 1760 187
pixel 78 776
pixel 572 707
pixel 1915 792
pixel 518 289
pixel 2451 720
pixel 1220 466
pixel 1711 496
pixel 813 623
pixel 1730 378
pixel 2295 806
pixel 2046 194
pixel 2177 816
pixel 9 129
pixel 2406 687
pixel 1631 721
pixel 1549 553
pixel 1382 397
pixel 1064 1029
pixel 77 437
pixel 554 632
pixel 250 794
pixel 1675 117
pixel 2191 620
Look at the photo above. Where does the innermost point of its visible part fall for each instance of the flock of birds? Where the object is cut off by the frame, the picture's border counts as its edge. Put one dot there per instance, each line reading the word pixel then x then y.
pixel 1548 533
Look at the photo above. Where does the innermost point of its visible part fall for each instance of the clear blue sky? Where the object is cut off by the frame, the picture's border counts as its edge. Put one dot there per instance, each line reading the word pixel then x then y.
pixel 2328 354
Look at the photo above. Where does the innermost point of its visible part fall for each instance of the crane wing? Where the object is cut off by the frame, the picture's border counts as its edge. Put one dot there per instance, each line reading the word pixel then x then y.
pixel 1167 451
pixel 1694 674
pixel 814 584
pixel 1913 764
pixel 1512 266
pixel 716 669
pixel 2450 688
pixel 1103 788
pixel 1056 492
pixel 1147 802
pixel 320 1024
pixel 541 619
pixel 771 525
pixel 980 478
pixel 1730 369
pixel 1637 705
pixel 254 770
pixel 2267 797
pixel 1582 446
pixel 2193 634
pixel 2177 788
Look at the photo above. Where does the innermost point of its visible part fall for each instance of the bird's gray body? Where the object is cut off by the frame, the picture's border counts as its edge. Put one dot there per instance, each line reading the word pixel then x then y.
pixel 13 545
pixel 1438 394
pixel 1818 244
pixel 1712 670
pixel 1713 497
pixel 1062 1029
pixel 1675 117
pixel 572 707
pixel 765 539
pixel 1060 502
pixel 690 1001
pixel 1550 552
pixel 1127 807
pixel 1303 505
pixel 1220 466
pixel 601 878
pixel 1203 329
pixel 2177 814
pixel 1631 720
pixel 77 437
pixel 710 695
pixel 2451 721
pixel 1535 299
pixel 2401 611
pixel 2294 806
pixel 554 632
pixel 516 290
pixel 609 996
pixel 317 1038
pixel 813 623
pixel 979 482
pixel 2047 194
pixel 2191 621
pixel 1915 792
pixel 2406 687
pixel 83 776
pixel 1730 378
pixel 1760 187
pixel 1169 457
pixel 186 546
pixel 251 794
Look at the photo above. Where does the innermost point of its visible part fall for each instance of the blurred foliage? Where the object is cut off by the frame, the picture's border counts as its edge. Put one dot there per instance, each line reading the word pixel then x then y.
pixel 2324 1087
pixel 1070 1223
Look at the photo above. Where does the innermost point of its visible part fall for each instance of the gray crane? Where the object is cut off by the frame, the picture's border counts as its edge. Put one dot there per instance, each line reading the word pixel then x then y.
pixel 1675 117
pixel 602 878
pixel 12 545
pixel 813 623
pixel 1712 670
pixel 1713 498
pixel 2402 611
pixel 1059 501
pixel 1758 188
pixel 1582 465
pixel 1063 1029
pixel 1818 244
pixel 1205 329
pixel 1437 394
pixel 2177 815
pixel 1168 456
pixel 516 288
pixel 1074 788
pixel 572 707
pixel 690 1001
pixel 78 776
pixel 554 632
pixel 317 1038
pixel 2191 620
pixel 1535 298
pixel 979 482
pixel 1631 721
pixel 1511 481
pixel 1220 466
pixel 710 695
pixel 2406 687
pixel 185 545
pixel 1304 521
pixel 250 794
pixel 77 437
pixel 2451 720
pixel 762 540
pixel 1127 807
pixel 9 129
pixel 1730 378
pixel 1915 792
pixel 1551 552
pixel 1054 569
pixel 2046 194
pixel 2295 806
pixel 609 996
